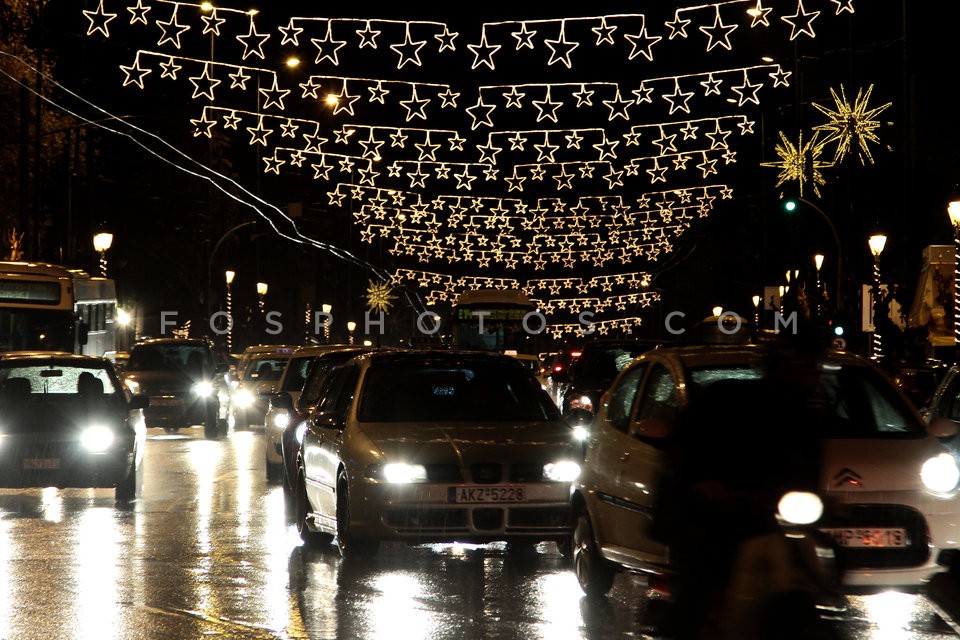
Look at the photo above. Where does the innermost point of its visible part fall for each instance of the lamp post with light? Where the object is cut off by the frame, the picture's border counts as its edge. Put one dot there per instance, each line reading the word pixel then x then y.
pixel 351 326
pixel 262 293
pixel 756 314
pixel 818 263
pixel 229 276
pixel 102 242
pixel 953 210
pixel 326 308
pixel 876 243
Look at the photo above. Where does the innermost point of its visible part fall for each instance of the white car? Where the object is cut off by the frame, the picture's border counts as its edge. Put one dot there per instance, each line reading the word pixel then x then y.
pixel 888 483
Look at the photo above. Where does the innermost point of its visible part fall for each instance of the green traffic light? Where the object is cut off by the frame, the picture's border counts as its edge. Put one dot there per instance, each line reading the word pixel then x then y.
pixel 790 206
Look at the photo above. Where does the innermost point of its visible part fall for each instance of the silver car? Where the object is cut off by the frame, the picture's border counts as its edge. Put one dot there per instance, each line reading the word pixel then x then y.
pixel 434 446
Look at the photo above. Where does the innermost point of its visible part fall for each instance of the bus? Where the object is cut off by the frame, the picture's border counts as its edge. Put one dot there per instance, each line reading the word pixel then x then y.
pixel 502 312
pixel 54 308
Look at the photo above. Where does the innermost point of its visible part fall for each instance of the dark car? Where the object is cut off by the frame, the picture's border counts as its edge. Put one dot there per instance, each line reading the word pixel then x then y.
pixel 65 421
pixel 592 373
pixel 179 375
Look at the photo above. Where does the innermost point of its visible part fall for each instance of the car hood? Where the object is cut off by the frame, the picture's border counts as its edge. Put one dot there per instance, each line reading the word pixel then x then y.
pixel 452 443
pixel 860 466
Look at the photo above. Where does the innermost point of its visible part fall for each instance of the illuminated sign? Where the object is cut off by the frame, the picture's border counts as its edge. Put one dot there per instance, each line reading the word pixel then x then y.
pixel 26 291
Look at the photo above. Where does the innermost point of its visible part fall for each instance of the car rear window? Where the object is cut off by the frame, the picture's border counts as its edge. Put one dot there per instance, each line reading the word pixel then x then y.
pixel 464 392
pixel 55 378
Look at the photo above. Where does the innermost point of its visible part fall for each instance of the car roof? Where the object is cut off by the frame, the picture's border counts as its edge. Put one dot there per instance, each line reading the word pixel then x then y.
pixel 438 355
pixel 707 354
pixel 317 349
pixel 62 356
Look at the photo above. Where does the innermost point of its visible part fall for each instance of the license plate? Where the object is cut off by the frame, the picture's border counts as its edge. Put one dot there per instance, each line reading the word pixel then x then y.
pixel 41 463
pixel 878 537
pixel 472 495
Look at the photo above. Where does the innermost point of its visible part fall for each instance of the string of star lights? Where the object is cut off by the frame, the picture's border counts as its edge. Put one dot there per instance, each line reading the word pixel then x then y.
pixel 572 176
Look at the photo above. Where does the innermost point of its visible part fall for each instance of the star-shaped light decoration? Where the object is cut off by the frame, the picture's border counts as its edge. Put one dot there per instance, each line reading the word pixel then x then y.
pixel 99 20
pixel 800 162
pixel 379 296
pixel 801 22
pixel 409 50
pixel 851 125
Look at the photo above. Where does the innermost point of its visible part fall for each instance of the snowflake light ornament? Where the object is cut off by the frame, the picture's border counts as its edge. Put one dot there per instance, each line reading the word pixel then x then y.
pixel 800 162
pixel 851 125
pixel 379 296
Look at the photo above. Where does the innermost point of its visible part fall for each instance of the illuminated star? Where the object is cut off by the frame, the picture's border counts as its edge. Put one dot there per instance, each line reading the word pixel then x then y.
pixel 212 23
pixel 718 33
pixel 584 96
pixel 345 100
pixel 289 129
pixel 843 5
pixel 604 33
pixel 170 68
pixel 379 296
pixel 780 77
pixel 483 52
pixel 642 43
pixel 274 95
pixel 747 91
pixel 517 142
pixel 712 85
pixel 99 20
pixel 546 150
pixel 409 50
pixel 327 48
pixel 800 162
pixel 618 107
pixel 514 97
pixel 415 106
pixel 209 82
pixel 524 37
pixel 291 34
pixel 678 99
pixel 138 13
pixel 480 113
pixel 448 98
pixel 134 73
pixel 258 134
pixel 643 94
pixel 378 93
pixel 465 180
pixel 255 44
pixel 231 120
pixel 368 36
pixel 239 80
pixel 547 108
pixel 202 126
pixel 560 49
pixel 759 14
pixel 446 39
pixel 850 125
pixel 801 22
pixel 171 30
pixel 677 26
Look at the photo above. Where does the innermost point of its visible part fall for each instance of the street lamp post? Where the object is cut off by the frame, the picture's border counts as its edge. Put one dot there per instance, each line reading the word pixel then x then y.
pixel 327 308
pixel 102 242
pixel 229 276
pixel 790 206
pixel 213 252
pixel 953 210
pixel 262 293
pixel 756 314
pixel 351 326
pixel 876 244
pixel 818 263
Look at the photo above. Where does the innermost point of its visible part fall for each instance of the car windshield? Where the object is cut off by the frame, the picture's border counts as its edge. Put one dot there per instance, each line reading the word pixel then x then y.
pixel 195 360
pixel 23 381
pixel 467 391
pixel 848 401
pixel 297 370
pixel 265 369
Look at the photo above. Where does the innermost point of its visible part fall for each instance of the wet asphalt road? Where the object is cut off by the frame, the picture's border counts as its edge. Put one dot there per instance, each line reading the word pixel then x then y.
pixel 206 553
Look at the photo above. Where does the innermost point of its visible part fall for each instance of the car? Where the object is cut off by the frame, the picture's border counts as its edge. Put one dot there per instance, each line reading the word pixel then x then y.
pixel 280 412
pixel 182 378
pixel 433 446
pixel 258 373
pixel 66 421
pixel 589 375
pixel 889 486
pixel 533 362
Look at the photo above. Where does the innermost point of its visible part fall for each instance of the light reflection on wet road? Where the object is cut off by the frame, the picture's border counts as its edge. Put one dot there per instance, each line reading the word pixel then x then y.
pixel 206 553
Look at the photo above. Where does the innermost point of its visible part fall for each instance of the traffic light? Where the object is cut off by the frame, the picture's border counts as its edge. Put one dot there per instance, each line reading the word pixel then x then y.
pixel 790 205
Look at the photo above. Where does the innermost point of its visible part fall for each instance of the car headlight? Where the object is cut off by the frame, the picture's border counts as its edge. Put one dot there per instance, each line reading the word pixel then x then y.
pixel 96 439
pixel 402 473
pixel 940 473
pixel 242 398
pixel 800 507
pixel 132 385
pixel 580 433
pixel 281 419
pixel 563 471
pixel 203 389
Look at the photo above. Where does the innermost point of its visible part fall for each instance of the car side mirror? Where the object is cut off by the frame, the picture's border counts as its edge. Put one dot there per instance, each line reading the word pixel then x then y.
pixel 653 430
pixel 281 400
pixel 327 420
pixel 139 402
pixel 942 428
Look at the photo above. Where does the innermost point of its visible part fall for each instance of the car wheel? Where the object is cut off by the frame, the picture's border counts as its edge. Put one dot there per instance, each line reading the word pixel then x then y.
pixel 211 424
pixel 594 573
pixel 350 546
pixel 126 489
pixel 565 547
pixel 301 509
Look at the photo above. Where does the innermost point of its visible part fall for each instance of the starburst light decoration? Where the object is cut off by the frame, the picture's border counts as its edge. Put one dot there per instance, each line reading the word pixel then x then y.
pixel 851 125
pixel 800 163
pixel 379 296
pixel 548 155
